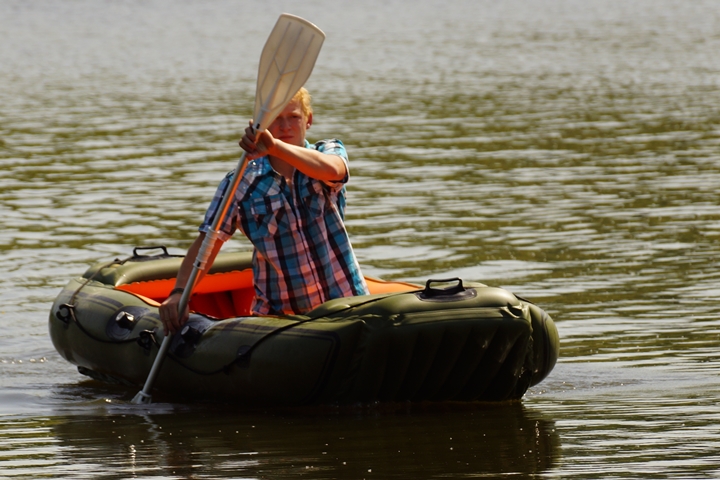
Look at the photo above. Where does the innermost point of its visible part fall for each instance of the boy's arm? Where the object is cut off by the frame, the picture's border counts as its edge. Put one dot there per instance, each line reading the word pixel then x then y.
pixel 172 320
pixel 321 166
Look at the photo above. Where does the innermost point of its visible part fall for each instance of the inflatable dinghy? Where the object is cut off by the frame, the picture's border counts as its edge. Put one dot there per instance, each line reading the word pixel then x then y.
pixel 448 340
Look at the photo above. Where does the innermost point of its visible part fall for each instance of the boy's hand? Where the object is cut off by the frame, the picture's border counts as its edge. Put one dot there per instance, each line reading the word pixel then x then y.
pixel 257 145
pixel 171 320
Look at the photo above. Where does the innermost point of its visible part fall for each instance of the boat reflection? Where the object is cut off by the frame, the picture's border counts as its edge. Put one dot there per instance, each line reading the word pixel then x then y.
pixel 378 441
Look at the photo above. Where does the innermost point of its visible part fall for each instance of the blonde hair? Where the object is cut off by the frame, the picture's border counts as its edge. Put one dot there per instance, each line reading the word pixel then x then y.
pixel 303 96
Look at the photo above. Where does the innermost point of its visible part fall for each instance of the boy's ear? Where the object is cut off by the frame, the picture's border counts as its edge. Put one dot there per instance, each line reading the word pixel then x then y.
pixel 309 120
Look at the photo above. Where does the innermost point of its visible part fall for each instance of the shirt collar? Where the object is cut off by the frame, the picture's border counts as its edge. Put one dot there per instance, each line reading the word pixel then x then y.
pixel 264 162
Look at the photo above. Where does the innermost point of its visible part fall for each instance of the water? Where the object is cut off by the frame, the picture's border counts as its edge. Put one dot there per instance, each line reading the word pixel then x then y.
pixel 565 150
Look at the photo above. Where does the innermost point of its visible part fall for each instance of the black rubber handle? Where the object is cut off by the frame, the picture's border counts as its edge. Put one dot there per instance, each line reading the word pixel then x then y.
pixel 152 247
pixel 431 292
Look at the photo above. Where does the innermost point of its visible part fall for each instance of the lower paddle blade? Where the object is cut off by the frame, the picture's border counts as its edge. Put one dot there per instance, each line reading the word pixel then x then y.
pixel 286 62
pixel 141 398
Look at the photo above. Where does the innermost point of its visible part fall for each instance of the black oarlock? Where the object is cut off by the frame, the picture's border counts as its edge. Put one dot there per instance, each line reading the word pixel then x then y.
pixel 65 313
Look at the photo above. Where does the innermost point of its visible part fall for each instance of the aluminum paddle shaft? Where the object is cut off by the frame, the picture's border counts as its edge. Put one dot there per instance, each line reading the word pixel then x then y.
pixel 286 62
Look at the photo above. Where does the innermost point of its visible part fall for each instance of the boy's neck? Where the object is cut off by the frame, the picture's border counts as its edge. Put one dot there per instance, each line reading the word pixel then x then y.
pixel 283 168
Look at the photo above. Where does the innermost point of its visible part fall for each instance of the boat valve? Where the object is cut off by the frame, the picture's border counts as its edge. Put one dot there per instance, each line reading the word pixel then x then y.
pixel 186 341
pixel 125 320
pixel 190 334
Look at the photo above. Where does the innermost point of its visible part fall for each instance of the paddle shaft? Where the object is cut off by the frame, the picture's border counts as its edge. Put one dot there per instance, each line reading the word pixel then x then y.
pixel 199 265
pixel 287 60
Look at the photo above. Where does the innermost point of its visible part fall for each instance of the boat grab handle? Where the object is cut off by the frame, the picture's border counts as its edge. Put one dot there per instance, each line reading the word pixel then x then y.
pixel 451 293
pixel 150 247
pixel 431 292
pixel 137 257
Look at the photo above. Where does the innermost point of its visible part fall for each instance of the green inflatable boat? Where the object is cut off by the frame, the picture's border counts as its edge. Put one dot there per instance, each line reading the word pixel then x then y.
pixel 448 340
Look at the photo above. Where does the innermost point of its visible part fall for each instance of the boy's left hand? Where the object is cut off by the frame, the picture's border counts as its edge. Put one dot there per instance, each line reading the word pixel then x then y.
pixel 256 145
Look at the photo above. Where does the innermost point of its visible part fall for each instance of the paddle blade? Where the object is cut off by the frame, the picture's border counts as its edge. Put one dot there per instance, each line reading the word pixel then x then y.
pixel 286 62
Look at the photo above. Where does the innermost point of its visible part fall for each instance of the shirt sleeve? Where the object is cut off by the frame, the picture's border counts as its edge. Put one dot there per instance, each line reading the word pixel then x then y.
pixel 334 147
pixel 229 224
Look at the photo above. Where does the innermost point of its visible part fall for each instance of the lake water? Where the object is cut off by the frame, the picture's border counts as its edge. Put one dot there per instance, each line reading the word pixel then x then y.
pixel 567 150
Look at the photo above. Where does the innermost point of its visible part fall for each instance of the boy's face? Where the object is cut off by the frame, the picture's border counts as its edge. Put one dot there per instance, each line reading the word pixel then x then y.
pixel 290 126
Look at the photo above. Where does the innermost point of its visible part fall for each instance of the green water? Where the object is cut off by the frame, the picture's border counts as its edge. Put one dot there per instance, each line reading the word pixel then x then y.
pixel 566 150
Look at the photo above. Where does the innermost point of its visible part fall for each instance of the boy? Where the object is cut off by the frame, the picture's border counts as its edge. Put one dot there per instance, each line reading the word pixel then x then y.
pixel 290 204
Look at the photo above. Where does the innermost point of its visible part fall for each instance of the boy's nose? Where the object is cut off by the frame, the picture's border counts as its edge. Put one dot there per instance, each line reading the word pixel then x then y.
pixel 283 123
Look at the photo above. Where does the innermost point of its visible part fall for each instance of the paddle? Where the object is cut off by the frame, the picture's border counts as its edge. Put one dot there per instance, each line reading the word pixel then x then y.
pixel 286 62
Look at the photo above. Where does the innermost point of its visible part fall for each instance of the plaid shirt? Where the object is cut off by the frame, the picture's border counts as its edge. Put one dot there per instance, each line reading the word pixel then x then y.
pixel 302 255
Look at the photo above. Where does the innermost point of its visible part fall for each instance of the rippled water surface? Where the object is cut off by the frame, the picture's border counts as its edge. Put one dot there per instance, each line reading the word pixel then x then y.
pixel 568 151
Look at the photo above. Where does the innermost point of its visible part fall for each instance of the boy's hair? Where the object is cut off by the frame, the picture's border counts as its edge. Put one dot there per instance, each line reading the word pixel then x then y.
pixel 304 97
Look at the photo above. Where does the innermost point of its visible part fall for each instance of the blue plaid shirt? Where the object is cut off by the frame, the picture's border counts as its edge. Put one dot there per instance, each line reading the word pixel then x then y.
pixel 302 255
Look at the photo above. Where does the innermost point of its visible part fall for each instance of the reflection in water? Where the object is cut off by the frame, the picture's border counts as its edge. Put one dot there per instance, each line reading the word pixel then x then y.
pixel 388 442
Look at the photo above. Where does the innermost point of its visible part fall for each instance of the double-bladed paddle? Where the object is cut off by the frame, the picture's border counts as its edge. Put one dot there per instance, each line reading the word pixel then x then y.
pixel 286 62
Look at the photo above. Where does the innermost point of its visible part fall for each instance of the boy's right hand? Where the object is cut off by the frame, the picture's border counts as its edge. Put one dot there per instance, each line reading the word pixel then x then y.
pixel 171 320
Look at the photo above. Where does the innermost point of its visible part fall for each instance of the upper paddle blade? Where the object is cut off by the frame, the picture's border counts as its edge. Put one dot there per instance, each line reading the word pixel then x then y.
pixel 287 60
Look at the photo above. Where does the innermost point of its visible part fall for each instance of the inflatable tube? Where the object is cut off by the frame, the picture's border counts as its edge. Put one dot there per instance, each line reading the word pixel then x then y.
pixel 448 340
